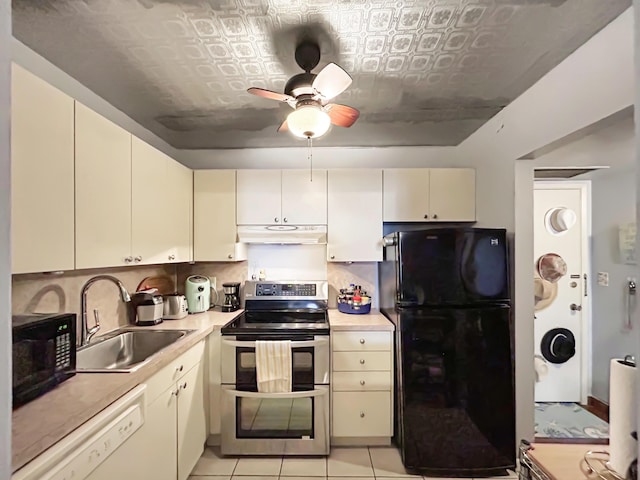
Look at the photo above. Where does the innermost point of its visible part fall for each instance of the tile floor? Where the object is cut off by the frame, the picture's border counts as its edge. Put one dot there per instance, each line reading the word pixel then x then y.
pixel 343 463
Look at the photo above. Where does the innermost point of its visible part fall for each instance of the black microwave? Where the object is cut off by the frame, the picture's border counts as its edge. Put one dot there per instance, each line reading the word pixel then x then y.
pixel 44 353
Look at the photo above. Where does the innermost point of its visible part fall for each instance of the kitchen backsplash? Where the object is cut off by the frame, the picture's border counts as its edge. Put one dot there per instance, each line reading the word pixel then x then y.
pixel 339 275
pixel 42 293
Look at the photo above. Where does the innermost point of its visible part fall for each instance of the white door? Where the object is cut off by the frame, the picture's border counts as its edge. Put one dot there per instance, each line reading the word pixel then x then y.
pixel 179 212
pixel 560 231
pixel 258 197
pixel 452 194
pixel 304 197
pixel 406 194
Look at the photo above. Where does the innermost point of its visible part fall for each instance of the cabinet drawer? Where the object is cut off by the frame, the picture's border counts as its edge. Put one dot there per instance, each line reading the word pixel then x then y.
pixel 362 414
pixel 361 341
pixel 361 361
pixel 361 381
pixel 169 374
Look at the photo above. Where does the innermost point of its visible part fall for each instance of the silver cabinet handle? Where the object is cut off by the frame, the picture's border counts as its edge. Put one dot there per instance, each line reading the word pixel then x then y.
pixel 180 368
pixel 362 361
pixel 362 382
pixel 426 216
pixel 176 392
pixel 362 341
pixel 575 308
pixel 435 216
pixel 332 257
pixel 276 219
pixel 137 259
pixel 172 257
pixel 285 219
pixel 230 256
pixel 361 414
pixel 128 259
pixel 183 386
pixel 317 342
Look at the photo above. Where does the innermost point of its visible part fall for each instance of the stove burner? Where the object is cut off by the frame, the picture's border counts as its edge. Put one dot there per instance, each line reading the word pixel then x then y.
pixel 278 322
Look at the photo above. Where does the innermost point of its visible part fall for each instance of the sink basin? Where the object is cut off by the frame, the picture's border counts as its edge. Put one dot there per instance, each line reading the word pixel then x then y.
pixel 125 351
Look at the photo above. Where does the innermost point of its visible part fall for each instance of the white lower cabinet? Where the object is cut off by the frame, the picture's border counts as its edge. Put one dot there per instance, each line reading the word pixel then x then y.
pixel 361 387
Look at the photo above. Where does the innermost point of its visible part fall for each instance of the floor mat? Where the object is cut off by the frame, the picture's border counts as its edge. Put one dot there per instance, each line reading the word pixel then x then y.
pixel 568 420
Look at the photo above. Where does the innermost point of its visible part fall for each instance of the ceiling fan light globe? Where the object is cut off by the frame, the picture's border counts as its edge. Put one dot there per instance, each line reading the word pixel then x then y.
pixel 308 122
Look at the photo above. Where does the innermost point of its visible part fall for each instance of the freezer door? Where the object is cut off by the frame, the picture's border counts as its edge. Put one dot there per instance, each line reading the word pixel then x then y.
pixel 453 267
pixel 457 414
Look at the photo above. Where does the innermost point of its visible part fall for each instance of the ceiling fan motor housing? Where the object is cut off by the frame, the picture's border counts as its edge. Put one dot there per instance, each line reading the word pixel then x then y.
pixel 300 84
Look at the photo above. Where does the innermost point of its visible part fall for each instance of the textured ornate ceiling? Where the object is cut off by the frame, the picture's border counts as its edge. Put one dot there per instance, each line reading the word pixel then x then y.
pixel 425 72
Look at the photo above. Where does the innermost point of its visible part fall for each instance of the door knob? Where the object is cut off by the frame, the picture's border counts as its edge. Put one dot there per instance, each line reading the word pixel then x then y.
pixel 362 382
pixel 285 220
pixel 128 259
pixel 276 219
pixel 362 341
pixel 137 259
pixel 172 257
pixel 426 216
pixel 362 361
pixel 435 216
pixel 361 414
pixel 575 308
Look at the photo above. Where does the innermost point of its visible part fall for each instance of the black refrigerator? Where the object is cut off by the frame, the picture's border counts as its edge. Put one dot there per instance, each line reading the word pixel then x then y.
pixel 447 292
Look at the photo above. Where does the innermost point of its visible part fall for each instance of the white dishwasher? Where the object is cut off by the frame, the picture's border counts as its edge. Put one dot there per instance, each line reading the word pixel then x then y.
pixel 105 446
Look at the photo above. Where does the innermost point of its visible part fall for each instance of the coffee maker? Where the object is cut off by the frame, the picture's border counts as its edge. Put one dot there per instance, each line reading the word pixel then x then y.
pixel 231 297
pixel 146 308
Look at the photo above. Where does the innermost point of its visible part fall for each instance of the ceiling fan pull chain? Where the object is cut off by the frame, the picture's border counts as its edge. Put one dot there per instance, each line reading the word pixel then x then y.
pixel 310 150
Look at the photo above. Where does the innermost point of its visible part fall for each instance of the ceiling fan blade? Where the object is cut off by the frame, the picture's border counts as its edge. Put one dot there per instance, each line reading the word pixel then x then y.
pixel 342 115
pixel 271 95
pixel 331 81
pixel 283 127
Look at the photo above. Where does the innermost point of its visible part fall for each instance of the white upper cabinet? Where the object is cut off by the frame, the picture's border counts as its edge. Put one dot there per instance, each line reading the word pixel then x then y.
pixel 42 193
pixel 214 217
pixel 103 191
pixel 452 194
pixel 429 195
pixel 161 206
pixel 277 197
pixel 304 197
pixel 354 215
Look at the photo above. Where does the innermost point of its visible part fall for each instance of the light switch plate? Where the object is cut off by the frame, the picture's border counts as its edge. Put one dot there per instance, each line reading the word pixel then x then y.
pixel 603 279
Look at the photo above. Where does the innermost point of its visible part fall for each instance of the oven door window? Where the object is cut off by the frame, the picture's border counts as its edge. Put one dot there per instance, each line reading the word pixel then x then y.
pixel 274 418
pixel 302 365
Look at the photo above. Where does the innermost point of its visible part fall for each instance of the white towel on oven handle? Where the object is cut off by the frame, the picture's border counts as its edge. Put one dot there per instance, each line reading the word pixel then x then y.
pixel 273 366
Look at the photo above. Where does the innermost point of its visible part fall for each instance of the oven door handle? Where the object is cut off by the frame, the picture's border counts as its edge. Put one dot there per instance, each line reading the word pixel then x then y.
pixel 304 394
pixel 321 342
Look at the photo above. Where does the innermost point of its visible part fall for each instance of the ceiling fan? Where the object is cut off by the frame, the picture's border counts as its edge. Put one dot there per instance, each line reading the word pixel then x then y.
pixel 309 95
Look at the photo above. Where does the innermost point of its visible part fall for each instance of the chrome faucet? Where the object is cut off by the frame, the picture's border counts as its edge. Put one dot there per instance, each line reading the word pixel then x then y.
pixel 87 333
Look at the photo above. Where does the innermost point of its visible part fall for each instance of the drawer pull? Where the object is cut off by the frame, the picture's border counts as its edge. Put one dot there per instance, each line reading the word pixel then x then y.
pixel 184 385
pixel 362 382
pixel 362 361
pixel 180 368
pixel 362 341
pixel 361 414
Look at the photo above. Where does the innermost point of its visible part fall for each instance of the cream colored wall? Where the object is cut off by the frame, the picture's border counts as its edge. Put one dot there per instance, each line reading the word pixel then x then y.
pixel 42 293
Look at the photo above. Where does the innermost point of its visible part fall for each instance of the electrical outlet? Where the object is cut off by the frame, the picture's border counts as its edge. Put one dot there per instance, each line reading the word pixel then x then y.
pixel 603 279
pixel 213 281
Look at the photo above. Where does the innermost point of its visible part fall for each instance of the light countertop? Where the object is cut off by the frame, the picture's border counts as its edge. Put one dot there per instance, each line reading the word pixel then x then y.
pixel 563 461
pixel 373 320
pixel 44 421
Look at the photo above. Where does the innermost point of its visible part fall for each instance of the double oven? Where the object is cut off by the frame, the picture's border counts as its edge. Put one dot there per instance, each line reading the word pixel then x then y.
pixel 292 423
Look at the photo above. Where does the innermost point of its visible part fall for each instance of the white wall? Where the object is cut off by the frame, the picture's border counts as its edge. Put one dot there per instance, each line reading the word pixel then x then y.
pixel 636 7
pixel 593 83
pixel 5 257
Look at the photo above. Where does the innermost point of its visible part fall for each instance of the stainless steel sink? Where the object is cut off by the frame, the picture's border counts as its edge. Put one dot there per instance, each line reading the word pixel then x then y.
pixel 125 350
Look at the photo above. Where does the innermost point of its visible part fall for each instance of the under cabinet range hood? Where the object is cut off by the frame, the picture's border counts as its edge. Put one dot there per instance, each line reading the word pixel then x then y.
pixel 283 234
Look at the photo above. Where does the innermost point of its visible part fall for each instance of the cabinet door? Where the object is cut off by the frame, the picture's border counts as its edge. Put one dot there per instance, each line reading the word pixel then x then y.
pixel 362 414
pixel 304 197
pixel 178 221
pixel 151 242
pixel 42 220
pixel 103 191
pixel 452 194
pixel 259 195
pixel 406 195
pixel 162 418
pixel 192 431
pixel 354 215
pixel 214 229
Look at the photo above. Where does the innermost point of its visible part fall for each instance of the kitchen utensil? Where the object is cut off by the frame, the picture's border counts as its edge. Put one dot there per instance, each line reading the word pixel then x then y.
pixel 198 292
pixel 147 307
pixel 231 296
pixel 175 307
pixel 164 284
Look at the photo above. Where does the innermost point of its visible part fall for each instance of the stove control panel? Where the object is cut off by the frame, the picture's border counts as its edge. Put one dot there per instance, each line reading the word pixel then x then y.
pixel 285 289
